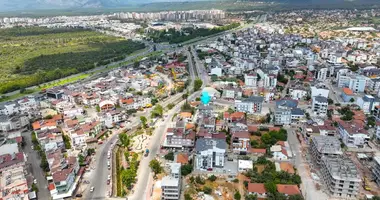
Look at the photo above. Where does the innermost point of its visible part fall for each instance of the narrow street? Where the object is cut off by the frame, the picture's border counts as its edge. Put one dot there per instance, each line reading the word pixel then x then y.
pixel 34 160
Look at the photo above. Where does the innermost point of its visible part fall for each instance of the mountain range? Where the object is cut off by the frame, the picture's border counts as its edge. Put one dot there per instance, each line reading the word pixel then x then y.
pixel 12 5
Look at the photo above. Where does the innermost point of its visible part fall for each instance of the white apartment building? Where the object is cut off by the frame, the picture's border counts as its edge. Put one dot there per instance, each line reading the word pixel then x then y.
pixel 353 135
pixel 321 74
pixel 210 153
pixel 250 80
pixel 319 106
pixel 171 184
pixel 250 105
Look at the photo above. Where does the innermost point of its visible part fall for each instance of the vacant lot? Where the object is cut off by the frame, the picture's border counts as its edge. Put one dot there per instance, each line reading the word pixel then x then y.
pixel 32 56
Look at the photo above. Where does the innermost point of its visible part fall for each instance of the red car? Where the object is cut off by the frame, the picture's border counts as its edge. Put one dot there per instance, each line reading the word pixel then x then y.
pixel 209 169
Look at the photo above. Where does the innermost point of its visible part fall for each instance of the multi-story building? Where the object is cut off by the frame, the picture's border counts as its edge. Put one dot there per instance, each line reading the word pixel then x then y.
pixel 240 141
pixel 210 153
pixel 376 170
pixel 341 177
pixel 15 122
pixel 249 105
pixel 9 108
pixel 319 91
pixel 171 184
pixel 319 106
pixel 250 80
pixel 353 134
pixel 355 82
pixel 179 138
pixel 283 111
pixel 376 112
pixel 367 103
pixel 321 74
pixel 324 146
pixel 297 93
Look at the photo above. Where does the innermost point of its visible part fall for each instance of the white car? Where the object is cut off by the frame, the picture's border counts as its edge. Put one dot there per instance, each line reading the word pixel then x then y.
pixel 92 189
pixel 109 177
pixel 35 181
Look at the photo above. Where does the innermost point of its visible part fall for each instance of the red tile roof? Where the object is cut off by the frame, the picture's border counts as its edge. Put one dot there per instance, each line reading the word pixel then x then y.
pixel 258 151
pixel 257 188
pixel 287 167
pixel 347 91
pixel 182 158
pixel 288 189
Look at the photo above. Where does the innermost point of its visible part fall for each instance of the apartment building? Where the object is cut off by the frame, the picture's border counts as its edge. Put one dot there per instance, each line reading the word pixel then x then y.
pixel 355 82
pixel 367 103
pixel 324 146
pixel 319 106
pixel 171 184
pixel 240 142
pixel 353 134
pixel 249 105
pixel 341 177
pixel 250 80
pixel 15 122
pixel 210 152
pixel 179 138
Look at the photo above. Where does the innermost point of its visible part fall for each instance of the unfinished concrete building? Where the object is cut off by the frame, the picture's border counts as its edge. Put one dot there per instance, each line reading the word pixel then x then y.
pixel 376 170
pixel 340 176
pixel 324 146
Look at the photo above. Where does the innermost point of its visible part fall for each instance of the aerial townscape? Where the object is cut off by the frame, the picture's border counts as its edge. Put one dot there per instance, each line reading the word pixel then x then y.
pixel 193 101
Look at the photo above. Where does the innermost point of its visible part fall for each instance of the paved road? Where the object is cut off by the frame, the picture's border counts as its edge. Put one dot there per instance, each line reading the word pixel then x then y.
pixel 98 178
pixel 308 186
pixel 34 161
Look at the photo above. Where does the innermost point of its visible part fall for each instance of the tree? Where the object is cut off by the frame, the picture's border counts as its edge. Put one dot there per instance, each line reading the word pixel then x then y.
pixel 212 178
pixel 237 195
pixel 296 197
pixel 169 156
pixel 97 108
pixel 124 140
pixel 143 121
pixel 187 196
pixel 155 165
pixel 66 140
pixel 157 111
pixel 270 187
pixel 90 151
pixel 81 159
pixel 128 177
pixel 207 190
pixel 250 197
pixel 186 169
pixel 136 64
pixel 170 106
pixel 184 96
pixel 197 84
pixel 352 100
pixel 330 101
pixel 199 180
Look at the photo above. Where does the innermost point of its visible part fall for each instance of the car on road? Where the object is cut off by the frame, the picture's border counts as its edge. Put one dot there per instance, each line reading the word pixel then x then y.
pixel 108 182
pixel 35 181
pixel 78 195
pixel 92 189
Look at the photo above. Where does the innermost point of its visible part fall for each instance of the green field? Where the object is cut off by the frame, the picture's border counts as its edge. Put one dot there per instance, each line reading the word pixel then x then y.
pixel 33 56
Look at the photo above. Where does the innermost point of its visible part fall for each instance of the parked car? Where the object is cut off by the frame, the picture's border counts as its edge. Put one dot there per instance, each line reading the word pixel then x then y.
pixel 92 189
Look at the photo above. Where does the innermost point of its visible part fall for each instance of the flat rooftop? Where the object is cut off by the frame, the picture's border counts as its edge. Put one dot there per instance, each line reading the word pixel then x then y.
pixel 342 168
pixel 327 144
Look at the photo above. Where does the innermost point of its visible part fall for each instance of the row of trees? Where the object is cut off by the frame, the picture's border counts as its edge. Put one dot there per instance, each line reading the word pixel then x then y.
pixel 174 37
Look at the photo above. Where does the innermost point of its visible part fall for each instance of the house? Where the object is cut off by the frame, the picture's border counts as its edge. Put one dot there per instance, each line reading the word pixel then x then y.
pixel 257 189
pixel 347 95
pixel 187 116
pixel 240 142
pixel 210 153
pixel 234 117
pixel 12 160
pixel 353 134
pixel 280 151
pixel 245 165
pixel 64 177
pixel 54 93
pixel 319 105
pixel 13 183
pixel 288 190
pixel 249 105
